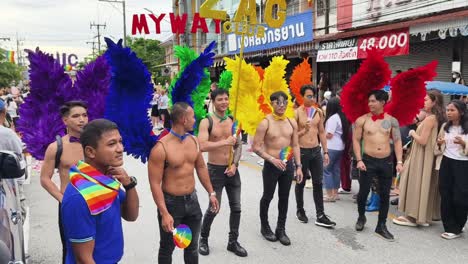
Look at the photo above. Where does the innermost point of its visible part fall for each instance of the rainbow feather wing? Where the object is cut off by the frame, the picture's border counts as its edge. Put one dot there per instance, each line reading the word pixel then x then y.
pixel 192 76
pixel 301 75
pixel 225 80
pixel 408 92
pixel 92 86
pixel 186 56
pixel 243 91
pixel 40 120
pixel 274 81
pixel 373 74
pixel 129 99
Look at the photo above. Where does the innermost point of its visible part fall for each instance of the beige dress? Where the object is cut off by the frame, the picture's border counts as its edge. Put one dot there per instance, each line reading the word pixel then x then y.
pixel 419 194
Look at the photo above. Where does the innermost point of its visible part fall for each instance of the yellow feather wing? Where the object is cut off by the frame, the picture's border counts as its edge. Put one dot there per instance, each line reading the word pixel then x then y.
pixel 242 94
pixel 274 81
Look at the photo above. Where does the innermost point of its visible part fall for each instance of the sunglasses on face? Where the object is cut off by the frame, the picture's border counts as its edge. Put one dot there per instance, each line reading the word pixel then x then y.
pixel 280 103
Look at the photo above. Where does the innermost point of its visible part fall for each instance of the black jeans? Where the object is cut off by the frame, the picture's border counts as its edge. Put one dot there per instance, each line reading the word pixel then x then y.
pixel 382 170
pixel 62 234
pixel 312 162
pixel 272 176
pixel 184 210
pixel 219 180
pixel 453 187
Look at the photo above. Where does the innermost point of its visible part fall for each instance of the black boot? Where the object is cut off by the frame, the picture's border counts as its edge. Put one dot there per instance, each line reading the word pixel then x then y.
pixel 267 233
pixel 282 237
pixel 383 232
pixel 236 248
pixel 360 223
pixel 301 216
pixel 203 247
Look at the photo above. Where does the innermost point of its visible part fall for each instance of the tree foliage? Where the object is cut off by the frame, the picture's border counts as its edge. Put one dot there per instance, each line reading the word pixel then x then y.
pixel 9 72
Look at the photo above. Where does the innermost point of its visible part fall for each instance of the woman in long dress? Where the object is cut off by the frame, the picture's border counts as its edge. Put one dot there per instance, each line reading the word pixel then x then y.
pixel 419 196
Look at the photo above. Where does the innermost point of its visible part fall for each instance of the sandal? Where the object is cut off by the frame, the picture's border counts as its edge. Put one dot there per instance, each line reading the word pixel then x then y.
pixel 403 221
pixel 327 199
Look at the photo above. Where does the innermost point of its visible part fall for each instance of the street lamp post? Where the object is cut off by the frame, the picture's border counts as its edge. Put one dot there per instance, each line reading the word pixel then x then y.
pixel 124 18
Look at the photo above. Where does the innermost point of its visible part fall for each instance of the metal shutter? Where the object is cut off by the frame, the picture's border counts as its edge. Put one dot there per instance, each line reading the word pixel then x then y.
pixel 422 53
pixel 465 59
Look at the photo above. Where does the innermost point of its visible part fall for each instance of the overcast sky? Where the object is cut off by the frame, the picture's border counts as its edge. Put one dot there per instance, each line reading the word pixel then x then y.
pixel 64 25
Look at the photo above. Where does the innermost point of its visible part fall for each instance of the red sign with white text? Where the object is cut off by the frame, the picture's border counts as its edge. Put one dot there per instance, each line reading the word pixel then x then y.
pixel 389 43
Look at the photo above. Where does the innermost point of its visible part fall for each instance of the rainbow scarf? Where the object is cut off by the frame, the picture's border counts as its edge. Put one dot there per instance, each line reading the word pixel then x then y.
pixel 98 190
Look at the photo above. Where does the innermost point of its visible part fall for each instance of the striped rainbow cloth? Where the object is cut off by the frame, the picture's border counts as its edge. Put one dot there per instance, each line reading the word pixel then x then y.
pixel 98 190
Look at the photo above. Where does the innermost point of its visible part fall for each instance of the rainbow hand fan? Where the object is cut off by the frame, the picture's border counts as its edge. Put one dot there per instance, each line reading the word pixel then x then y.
pixel 182 236
pixel 236 128
pixel 310 112
pixel 286 154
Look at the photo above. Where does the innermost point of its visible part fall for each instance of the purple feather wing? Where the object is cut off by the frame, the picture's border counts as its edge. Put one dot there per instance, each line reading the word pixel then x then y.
pixel 92 86
pixel 129 100
pixel 40 120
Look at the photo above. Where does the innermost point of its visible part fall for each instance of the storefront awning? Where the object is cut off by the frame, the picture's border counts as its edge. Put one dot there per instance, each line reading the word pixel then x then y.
pixel 454 28
pixel 411 23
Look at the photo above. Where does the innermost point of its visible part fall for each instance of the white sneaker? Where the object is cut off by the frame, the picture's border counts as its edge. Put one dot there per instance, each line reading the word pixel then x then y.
pixel 449 236
pixel 308 184
pixel 253 154
pixel 261 162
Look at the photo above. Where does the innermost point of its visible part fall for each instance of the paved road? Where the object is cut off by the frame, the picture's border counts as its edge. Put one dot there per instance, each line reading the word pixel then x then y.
pixel 310 244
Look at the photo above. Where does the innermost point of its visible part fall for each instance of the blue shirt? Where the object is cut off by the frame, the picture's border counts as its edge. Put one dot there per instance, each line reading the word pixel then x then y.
pixel 105 228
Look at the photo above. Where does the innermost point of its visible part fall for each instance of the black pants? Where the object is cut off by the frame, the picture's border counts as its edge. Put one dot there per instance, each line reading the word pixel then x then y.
pixel 219 180
pixel 382 171
pixel 453 187
pixel 312 162
pixel 184 210
pixel 271 177
pixel 62 234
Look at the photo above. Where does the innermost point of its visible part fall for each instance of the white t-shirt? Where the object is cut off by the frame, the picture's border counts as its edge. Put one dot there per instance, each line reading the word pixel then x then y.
pixel 12 108
pixel 452 150
pixel 334 126
pixel 163 102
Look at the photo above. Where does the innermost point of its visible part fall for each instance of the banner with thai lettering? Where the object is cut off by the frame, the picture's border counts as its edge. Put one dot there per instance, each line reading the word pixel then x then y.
pixel 296 29
pixel 389 43
pixel 339 50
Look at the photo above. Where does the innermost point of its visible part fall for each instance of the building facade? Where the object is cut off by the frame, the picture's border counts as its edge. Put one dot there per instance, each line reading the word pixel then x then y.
pixel 410 33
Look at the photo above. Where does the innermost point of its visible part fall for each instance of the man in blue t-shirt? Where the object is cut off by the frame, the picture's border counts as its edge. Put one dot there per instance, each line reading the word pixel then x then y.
pixel 94 202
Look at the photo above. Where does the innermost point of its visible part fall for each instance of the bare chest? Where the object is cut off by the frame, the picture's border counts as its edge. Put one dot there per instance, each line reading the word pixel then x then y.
pixel 72 153
pixel 278 130
pixel 221 130
pixel 179 154
pixel 379 127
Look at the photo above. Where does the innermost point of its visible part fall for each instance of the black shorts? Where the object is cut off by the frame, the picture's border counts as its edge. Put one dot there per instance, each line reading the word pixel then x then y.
pixel 154 111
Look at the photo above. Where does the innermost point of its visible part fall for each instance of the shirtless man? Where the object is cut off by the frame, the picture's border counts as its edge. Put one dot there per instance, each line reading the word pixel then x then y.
pixel 170 169
pixel 274 133
pixel 376 129
pixel 75 116
pixel 310 131
pixel 217 140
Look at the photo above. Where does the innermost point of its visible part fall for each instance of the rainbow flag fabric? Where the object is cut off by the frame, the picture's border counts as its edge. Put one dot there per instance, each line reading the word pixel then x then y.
pixel 10 55
pixel 98 190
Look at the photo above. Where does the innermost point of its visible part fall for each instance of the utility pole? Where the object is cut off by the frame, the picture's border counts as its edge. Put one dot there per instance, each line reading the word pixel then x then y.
pixel 124 18
pixel 98 26
pixel 18 50
pixel 94 46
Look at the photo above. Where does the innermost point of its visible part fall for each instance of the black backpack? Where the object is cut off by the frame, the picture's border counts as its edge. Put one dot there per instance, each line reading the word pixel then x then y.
pixel 11 165
pixel 59 152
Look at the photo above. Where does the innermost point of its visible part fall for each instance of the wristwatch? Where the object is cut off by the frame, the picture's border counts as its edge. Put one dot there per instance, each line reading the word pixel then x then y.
pixel 213 194
pixel 132 184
